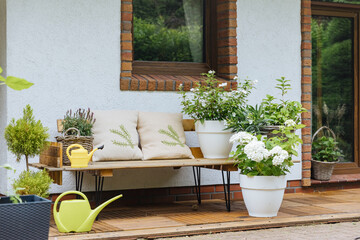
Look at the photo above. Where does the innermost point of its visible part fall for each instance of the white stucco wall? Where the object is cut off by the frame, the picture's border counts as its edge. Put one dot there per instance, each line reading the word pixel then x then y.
pixel 269 43
pixel 3 172
pixel 71 51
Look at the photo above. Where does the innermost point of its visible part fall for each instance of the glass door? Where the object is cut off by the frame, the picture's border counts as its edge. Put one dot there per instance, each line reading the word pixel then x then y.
pixel 335 72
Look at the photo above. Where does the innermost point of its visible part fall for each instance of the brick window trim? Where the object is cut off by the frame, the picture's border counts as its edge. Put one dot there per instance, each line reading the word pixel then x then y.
pixel 226 53
pixel 306 97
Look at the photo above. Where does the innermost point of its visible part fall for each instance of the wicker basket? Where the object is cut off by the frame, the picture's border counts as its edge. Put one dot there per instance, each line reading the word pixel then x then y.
pixel 67 140
pixel 322 170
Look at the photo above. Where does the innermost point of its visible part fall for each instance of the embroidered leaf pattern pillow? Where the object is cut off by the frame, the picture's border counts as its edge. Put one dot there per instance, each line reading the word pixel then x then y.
pixel 171 133
pixel 124 134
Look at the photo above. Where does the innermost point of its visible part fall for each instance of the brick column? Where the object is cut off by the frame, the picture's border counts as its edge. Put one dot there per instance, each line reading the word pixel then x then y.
pixel 306 89
pixel 227 42
pixel 126 43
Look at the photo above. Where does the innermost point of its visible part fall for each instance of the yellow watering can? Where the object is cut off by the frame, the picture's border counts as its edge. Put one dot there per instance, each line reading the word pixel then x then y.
pixel 80 158
pixel 76 215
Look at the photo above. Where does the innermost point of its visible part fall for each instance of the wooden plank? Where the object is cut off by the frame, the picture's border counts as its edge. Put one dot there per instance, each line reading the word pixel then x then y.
pixel 59 125
pixel 196 152
pixel 57 177
pixel 188 124
pixel 52 156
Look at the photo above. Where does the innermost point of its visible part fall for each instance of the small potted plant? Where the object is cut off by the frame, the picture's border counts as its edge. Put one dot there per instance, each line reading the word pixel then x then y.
pixel 26 136
pixel 29 214
pixel 77 129
pixel 211 104
pixel 263 164
pixel 325 154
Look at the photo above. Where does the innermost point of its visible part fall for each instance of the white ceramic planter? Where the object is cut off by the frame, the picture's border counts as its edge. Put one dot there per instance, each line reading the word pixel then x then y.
pixel 213 139
pixel 263 195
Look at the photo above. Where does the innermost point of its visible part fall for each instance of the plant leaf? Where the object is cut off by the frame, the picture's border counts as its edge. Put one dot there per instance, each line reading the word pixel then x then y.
pixel 17 83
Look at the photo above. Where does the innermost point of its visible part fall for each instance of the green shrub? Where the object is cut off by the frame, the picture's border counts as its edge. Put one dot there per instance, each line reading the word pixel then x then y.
pixel 26 136
pixel 82 119
pixel 30 182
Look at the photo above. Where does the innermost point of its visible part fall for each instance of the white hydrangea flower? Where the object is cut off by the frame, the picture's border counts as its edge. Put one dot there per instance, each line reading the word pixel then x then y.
pixel 242 138
pixel 192 89
pixel 277 160
pixel 235 78
pixel 276 150
pixel 223 84
pixel 290 123
pixel 181 85
pixel 256 151
pixel 211 72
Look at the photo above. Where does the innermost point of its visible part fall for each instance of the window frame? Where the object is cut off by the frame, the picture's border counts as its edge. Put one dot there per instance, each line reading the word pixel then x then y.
pixel 187 68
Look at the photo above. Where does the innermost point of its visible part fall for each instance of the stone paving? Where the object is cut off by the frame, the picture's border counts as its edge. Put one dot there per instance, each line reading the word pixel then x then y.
pixel 338 231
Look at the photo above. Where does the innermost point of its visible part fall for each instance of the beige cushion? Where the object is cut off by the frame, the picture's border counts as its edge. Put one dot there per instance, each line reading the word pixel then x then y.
pixel 117 131
pixel 162 136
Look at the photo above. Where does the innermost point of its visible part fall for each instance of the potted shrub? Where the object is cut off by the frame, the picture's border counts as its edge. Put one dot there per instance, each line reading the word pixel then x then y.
pixel 210 104
pixel 27 215
pixel 325 154
pixel 26 136
pixel 77 129
pixel 263 164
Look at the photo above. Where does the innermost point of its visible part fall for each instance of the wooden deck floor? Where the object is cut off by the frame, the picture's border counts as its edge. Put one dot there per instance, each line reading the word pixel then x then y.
pixel 185 218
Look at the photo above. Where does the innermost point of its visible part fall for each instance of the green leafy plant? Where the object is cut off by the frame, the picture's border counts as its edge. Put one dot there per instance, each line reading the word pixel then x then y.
pixel 325 149
pixel 30 182
pixel 173 135
pixel 262 156
pixel 123 133
pixel 278 113
pixel 14 82
pixel 81 119
pixel 26 136
pixel 249 119
pixel 211 101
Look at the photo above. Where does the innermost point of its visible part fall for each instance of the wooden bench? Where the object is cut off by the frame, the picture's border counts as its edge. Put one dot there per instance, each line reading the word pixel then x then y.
pixel 51 160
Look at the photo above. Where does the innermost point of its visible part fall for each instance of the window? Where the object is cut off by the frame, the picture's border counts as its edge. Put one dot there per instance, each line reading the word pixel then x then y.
pixel 173 37
pixel 168 42
pixel 335 75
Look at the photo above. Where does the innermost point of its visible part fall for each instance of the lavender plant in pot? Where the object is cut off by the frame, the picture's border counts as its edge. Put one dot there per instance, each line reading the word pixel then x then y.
pixel 211 104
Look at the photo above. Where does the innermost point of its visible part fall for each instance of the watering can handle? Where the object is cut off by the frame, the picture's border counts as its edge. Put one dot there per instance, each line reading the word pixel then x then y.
pixel 72 146
pixel 66 193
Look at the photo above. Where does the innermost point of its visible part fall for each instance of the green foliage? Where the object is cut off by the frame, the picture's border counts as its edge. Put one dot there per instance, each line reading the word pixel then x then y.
pixel 14 82
pixel 278 113
pixel 168 30
pixel 30 182
pixel 173 135
pixel 155 42
pixel 325 149
pixel 123 133
pixel 26 136
pixel 210 100
pixel 250 119
pixel 82 119
pixel 271 163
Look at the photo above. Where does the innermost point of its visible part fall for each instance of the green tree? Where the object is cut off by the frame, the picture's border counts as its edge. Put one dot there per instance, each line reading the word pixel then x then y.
pixel 26 136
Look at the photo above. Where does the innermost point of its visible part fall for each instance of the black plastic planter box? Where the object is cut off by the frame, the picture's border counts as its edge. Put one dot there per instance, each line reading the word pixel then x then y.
pixel 27 220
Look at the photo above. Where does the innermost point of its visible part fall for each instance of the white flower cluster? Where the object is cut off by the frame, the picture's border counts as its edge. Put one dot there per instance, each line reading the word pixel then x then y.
pixel 279 155
pixel 242 138
pixel 223 84
pixel 290 123
pixel 211 72
pixel 256 151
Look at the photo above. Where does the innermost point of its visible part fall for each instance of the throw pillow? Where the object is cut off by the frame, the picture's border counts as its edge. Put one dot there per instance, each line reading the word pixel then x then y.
pixel 162 136
pixel 116 129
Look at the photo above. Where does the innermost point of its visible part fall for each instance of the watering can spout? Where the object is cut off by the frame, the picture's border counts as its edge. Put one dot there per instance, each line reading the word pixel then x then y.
pixel 92 152
pixel 97 210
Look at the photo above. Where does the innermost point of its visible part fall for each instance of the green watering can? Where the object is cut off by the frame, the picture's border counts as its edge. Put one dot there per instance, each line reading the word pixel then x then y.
pixel 76 215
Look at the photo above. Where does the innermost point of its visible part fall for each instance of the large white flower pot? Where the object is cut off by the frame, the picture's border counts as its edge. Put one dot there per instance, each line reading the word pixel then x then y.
pixel 263 195
pixel 213 139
